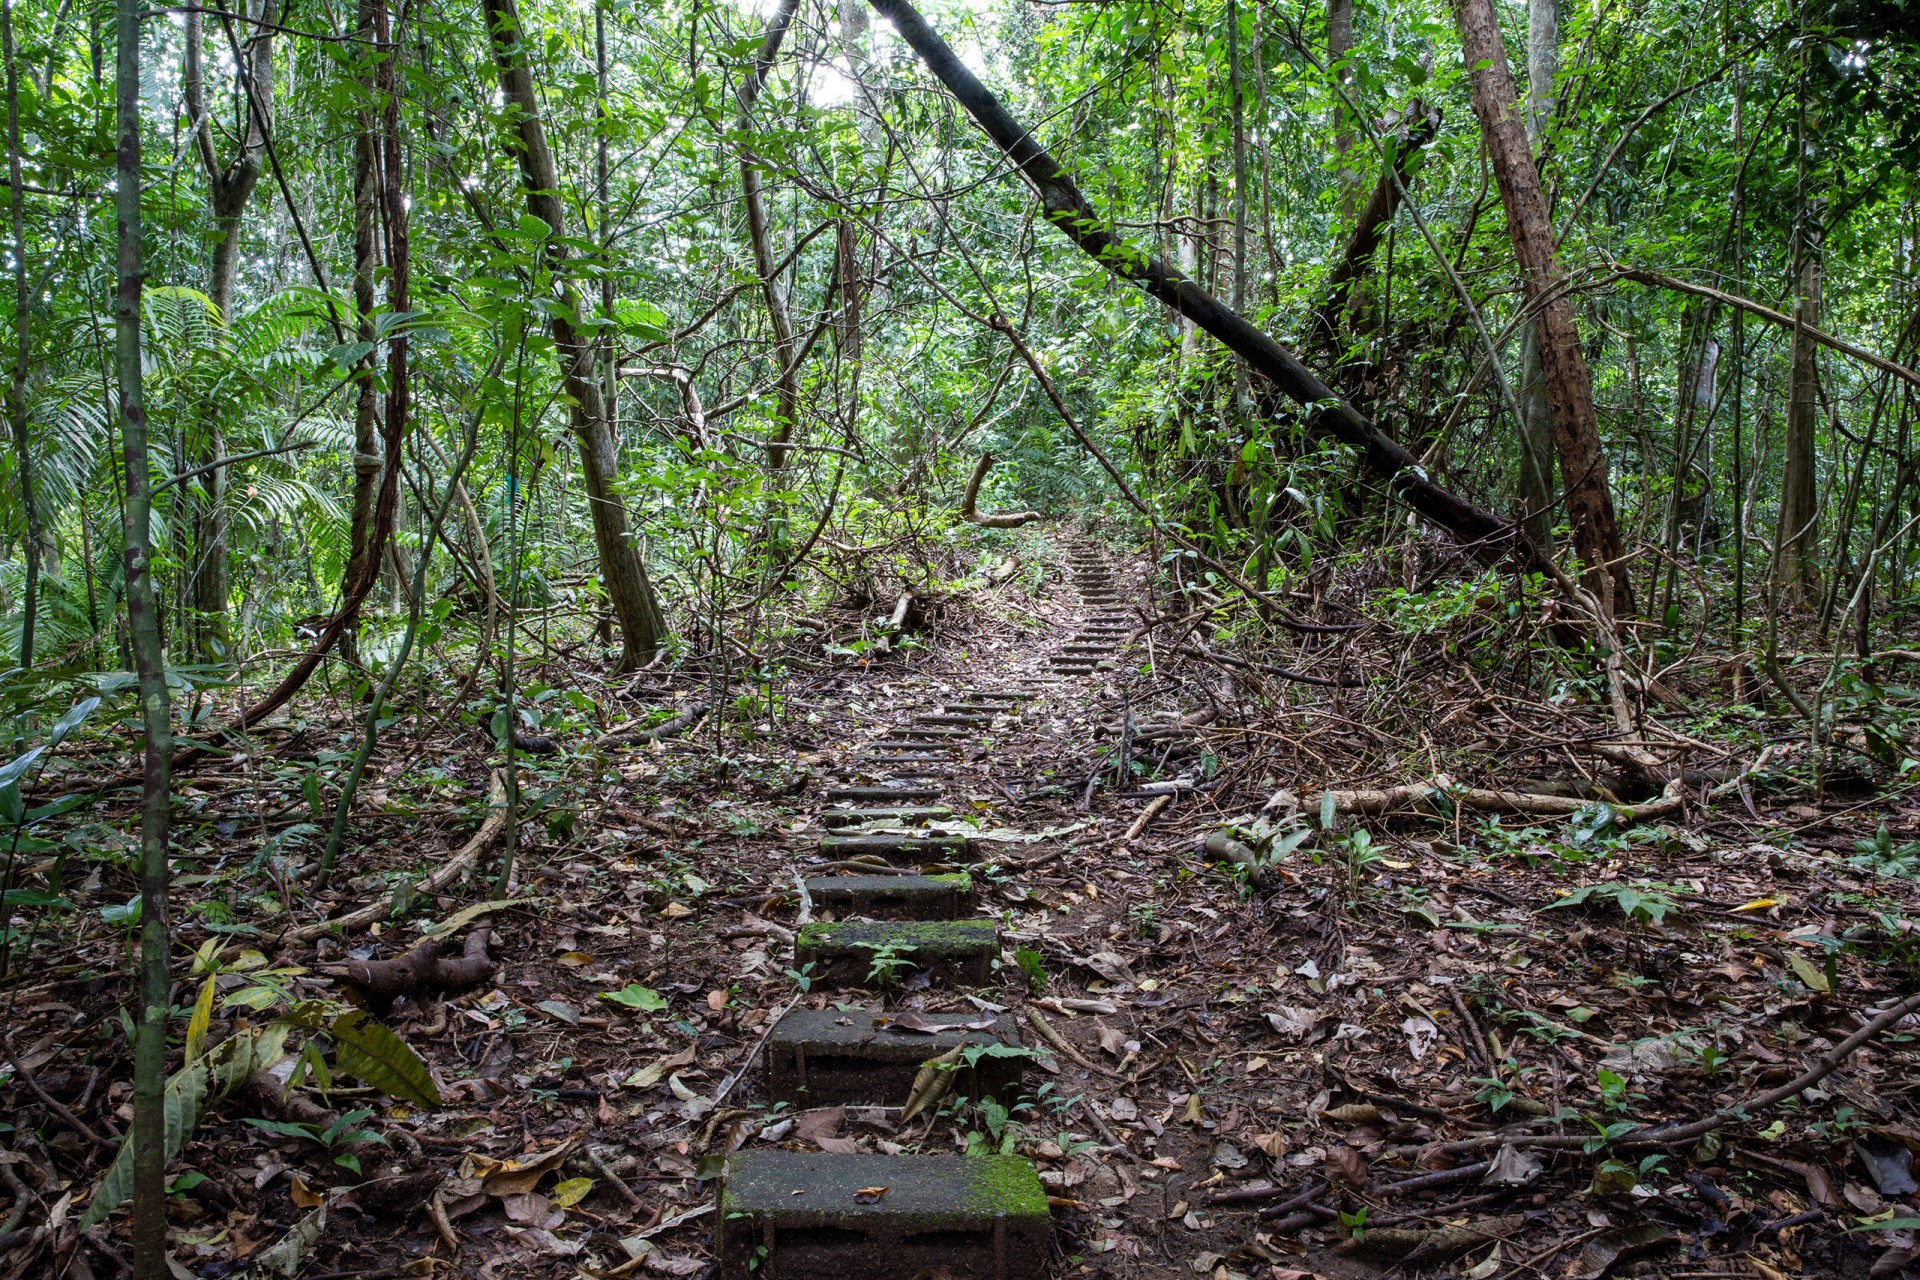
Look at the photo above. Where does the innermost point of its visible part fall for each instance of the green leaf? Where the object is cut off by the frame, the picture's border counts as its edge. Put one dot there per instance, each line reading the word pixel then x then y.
pixel 186 1095
pixel 365 1048
pixel 635 996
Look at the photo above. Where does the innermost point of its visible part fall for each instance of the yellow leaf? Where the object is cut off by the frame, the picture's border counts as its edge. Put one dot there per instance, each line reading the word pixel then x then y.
pixel 1811 974
pixel 197 1024
pixel 1761 904
pixel 676 911
pixel 575 959
pixel 571 1192
pixel 303 1195
pixel 1192 1115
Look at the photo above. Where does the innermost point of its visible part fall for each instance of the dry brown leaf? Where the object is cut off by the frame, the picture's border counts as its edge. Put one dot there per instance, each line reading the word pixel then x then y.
pixel 303 1195
pixel 1346 1167
pixel 517 1177
pixel 933 1082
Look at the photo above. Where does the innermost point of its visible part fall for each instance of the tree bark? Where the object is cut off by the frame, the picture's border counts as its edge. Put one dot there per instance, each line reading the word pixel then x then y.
pixel 643 627
pixel 22 351
pixel 785 351
pixel 1533 493
pixel 1339 45
pixel 1418 123
pixel 1068 210
pixel 230 184
pixel 1563 366
pixel 1795 570
pixel 150 1039
pixel 368 461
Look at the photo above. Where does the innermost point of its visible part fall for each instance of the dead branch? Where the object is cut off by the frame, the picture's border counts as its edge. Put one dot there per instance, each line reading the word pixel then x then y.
pixel 445 874
pixel 631 734
pixel 989 519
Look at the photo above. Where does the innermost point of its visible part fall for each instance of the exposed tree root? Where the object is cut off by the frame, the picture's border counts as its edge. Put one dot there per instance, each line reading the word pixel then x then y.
pixel 421 971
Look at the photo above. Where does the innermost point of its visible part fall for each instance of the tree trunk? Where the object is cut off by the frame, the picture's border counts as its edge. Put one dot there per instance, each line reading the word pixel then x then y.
pixel 1798 533
pixel 367 459
pixel 1339 45
pixel 1533 495
pixel 787 389
pixel 1563 366
pixel 22 351
pixel 150 1260
pixel 1418 124
pixel 642 625
pixel 230 185
pixel 1796 571
pixel 1068 210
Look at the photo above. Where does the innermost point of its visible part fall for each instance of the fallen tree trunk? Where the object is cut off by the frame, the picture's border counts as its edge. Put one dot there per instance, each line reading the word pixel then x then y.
pixel 969 503
pixel 1068 210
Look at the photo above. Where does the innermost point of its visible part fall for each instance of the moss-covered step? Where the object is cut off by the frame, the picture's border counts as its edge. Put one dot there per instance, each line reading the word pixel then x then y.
pixel 943 897
pixel 901 766
pixel 902 815
pixel 854 795
pixel 790 1215
pixel 896 846
pixel 950 952
pixel 821 1057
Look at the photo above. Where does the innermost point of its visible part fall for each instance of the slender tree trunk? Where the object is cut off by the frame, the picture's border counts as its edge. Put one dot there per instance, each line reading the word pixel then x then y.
pixel 1795 570
pixel 643 627
pixel 1563 365
pixel 230 185
pixel 22 350
pixel 1533 496
pixel 150 1039
pixel 1339 45
pixel 367 460
pixel 759 231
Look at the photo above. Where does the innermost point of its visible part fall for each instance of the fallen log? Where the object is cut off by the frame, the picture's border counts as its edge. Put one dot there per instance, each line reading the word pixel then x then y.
pixel 1068 210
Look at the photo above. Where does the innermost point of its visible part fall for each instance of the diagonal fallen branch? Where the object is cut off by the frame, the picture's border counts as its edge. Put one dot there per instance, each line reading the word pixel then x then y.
pixel 445 874
pixel 631 733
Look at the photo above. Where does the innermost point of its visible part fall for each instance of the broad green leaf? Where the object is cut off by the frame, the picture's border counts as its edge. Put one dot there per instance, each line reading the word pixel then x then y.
pixel 365 1048
pixel 635 996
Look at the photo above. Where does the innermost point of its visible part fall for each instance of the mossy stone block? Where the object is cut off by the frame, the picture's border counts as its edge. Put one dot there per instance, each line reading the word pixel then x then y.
pixel 951 952
pixel 822 1057
pixel 901 848
pixel 942 897
pixel 788 1215
pixel 915 815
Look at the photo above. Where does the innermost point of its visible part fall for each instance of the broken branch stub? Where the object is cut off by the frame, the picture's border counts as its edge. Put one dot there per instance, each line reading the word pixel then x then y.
pixel 969 502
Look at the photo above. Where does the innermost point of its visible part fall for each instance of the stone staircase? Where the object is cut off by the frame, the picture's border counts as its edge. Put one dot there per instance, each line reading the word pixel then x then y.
pixel 903 905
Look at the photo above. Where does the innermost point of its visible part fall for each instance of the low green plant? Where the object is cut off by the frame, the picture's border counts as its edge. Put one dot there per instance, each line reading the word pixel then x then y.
pixel 1880 856
pixel 1032 967
pixel 889 963
pixel 1641 901
pixel 335 1138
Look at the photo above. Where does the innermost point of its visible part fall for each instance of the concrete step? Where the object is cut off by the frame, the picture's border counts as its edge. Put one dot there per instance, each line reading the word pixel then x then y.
pixel 923 728
pixel 798 1216
pixel 902 766
pixel 916 815
pixel 822 1057
pixel 851 795
pixel 961 720
pixel 947 897
pixel 951 952
pixel 927 750
pixel 902 848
